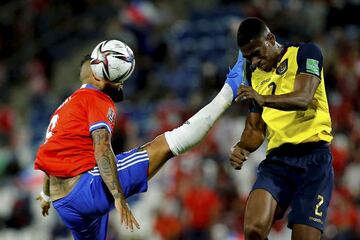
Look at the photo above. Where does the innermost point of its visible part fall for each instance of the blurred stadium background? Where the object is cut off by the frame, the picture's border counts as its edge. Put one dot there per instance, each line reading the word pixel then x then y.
pixel 183 50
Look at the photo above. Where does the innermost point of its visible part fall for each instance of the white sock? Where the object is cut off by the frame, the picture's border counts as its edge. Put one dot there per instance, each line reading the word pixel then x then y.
pixel 195 129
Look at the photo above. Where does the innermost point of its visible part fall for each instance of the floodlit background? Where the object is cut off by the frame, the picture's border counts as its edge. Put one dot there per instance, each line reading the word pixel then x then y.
pixel 183 50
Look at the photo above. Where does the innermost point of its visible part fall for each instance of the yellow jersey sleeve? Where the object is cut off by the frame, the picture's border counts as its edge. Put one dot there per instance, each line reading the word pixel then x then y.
pixel 294 127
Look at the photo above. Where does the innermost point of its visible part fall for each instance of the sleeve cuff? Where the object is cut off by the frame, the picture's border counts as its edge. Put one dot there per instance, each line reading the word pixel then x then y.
pixel 311 74
pixel 98 125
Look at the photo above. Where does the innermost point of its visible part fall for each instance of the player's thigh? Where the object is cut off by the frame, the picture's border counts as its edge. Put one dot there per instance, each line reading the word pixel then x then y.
pixel 159 152
pixel 133 168
pixel 304 232
pixel 260 211
pixel 310 204
pixel 94 229
pixel 271 194
pixel 79 216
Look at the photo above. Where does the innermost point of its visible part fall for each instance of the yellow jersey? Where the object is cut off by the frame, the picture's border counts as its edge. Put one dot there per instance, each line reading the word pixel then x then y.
pixel 311 125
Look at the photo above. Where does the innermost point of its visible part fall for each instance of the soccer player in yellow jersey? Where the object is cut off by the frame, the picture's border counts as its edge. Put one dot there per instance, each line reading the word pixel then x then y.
pixel 288 106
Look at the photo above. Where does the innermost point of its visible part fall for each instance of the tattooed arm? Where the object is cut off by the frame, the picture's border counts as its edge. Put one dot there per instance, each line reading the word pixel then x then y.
pixel 106 161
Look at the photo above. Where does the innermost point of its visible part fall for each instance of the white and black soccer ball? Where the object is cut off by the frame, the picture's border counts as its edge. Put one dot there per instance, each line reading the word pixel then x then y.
pixel 112 60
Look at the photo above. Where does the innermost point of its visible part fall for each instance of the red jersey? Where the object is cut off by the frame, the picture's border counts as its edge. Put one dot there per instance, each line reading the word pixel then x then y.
pixel 68 148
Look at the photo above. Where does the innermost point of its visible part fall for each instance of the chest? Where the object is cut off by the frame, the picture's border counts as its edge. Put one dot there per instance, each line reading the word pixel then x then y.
pixel 280 80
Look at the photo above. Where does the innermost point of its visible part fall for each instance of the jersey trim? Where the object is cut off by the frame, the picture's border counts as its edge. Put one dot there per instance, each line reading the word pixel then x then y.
pixel 130 160
pixel 98 125
pixel 254 107
pixel 305 73
pixel 89 86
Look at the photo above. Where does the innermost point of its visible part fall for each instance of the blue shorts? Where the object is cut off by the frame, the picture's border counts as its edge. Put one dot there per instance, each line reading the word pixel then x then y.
pixel 300 176
pixel 85 209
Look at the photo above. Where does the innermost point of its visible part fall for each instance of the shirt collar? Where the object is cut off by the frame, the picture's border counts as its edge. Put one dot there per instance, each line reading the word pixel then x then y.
pixel 88 86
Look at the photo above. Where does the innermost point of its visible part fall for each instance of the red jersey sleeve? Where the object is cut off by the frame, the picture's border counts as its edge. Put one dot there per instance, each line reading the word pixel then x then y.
pixel 101 113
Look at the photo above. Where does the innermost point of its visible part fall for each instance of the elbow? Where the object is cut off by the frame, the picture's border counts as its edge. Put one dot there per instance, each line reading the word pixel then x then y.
pixel 304 103
pixel 302 106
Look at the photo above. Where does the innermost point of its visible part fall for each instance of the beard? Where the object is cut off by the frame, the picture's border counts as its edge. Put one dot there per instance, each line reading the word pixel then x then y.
pixel 116 94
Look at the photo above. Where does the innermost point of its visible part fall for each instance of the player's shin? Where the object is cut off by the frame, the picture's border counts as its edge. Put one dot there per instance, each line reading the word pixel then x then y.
pixel 195 129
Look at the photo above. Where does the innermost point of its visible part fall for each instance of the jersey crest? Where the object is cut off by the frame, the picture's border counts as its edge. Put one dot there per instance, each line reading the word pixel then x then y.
pixel 111 115
pixel 283 67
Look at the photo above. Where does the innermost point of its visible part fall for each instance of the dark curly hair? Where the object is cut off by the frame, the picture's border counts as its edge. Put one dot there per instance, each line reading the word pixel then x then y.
pixel 249 29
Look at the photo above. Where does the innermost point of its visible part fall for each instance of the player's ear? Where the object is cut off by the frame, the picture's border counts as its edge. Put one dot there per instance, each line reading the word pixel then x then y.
pixel 271 38
pixel 85 71
pixel 98 82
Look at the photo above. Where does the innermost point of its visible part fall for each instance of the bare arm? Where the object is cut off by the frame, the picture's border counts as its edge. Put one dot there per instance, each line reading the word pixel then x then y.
pixel 45 203
pixel 46 185
pixel 303 94
pixel 252 137
pixel 254 133
pixel 106 161
pixel 299 99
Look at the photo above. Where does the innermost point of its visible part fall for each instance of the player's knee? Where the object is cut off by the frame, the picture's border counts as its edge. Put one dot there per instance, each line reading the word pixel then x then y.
pixel 158 148
pixel 158 152
pixel 254 232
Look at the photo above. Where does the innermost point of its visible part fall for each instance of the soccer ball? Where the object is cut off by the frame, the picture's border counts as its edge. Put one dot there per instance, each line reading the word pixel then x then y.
pixel 112 60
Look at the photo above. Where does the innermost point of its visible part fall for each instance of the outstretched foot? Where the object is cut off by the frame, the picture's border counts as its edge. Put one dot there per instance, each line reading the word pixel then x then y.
pixel 236 76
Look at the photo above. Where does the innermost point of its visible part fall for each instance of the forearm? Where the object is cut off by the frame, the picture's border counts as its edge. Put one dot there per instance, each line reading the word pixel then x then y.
pixel 287 102
pixel 251 140
pixel 108 171
pixel 106 161
pixel 46 185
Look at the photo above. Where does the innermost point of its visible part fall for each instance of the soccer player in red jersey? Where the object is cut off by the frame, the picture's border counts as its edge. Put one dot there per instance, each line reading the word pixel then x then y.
pixel 84 178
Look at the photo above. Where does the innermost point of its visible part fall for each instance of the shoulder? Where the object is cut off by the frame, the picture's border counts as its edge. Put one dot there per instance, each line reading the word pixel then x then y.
pixel 309 48
pixel 310 59
pixel 92 95
pixel 303 45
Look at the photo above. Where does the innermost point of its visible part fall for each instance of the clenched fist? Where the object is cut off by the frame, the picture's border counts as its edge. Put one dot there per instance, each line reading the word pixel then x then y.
pixel 238 156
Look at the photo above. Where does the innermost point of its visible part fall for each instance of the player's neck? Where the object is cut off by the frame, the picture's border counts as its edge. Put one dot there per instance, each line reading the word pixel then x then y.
pixel 91 82
pixel 280 50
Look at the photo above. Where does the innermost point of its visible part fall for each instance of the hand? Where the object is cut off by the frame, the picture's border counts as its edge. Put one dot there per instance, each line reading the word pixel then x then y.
pixel 238 156
pixel 248 93
pixel 127 217
pixel 45 206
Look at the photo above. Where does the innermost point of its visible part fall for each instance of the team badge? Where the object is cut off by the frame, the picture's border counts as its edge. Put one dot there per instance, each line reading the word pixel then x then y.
pixel 312 66
pixel 111 115
pixel 282 68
